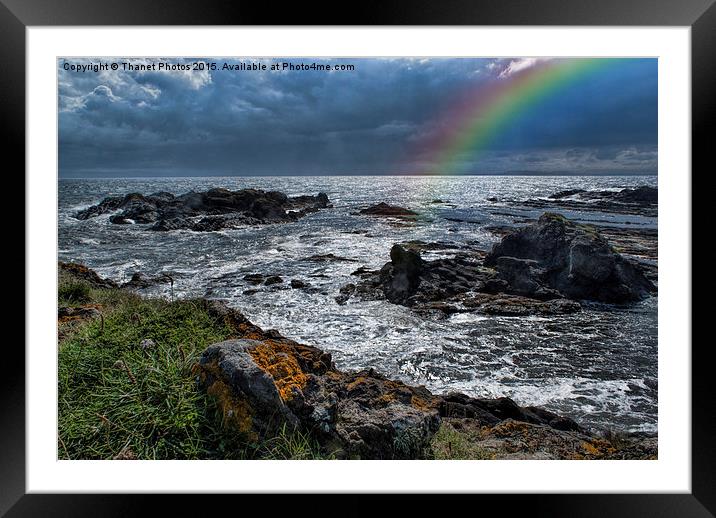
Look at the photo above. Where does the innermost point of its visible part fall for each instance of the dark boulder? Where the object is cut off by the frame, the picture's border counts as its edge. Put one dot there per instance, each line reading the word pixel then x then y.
pixel 273 279
pixel 384 209
pixel 570 258
pixel 643 195
pixel 140 280
pixel 401 277
pixel 298 284
pixel 254 278
pixel 565 194
pixel 325 258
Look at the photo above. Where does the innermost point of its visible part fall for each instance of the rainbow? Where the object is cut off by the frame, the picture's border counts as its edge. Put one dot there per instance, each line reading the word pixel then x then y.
pixel 474 121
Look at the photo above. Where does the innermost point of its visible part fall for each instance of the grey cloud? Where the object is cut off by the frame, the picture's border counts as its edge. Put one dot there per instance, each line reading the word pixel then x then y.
pixel 377 119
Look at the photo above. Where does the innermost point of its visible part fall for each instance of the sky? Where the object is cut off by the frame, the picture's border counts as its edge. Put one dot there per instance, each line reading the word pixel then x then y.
pixel 385 116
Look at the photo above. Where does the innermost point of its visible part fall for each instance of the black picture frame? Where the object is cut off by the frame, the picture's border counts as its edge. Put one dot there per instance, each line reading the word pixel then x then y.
pixel 700 15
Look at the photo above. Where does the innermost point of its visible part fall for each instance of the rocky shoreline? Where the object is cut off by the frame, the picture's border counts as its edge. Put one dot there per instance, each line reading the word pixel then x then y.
pixel 264 382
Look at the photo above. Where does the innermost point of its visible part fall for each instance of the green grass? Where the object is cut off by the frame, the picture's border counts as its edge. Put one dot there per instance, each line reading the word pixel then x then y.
pixel 117 400
pixel 289 445
pixel 451 444
pixel 72 293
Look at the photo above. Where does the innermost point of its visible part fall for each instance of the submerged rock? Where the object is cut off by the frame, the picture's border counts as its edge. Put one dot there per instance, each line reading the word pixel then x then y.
pixel 325 258
pixel 215 209
pixel 384 209
pixel 273 279
pixel 140 280
pixel 298 284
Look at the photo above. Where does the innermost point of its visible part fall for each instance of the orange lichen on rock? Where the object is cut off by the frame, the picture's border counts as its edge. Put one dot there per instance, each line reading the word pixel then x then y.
pixel 279 360
pixel 248 332
pixel 509 428
pixel 79 313
pixel 236 413
pixel 597 448
pixel 360 380
pixel 423 404
pixel 386 399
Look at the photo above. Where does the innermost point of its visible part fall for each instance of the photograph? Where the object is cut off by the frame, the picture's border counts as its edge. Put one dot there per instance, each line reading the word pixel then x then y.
pixel 375 258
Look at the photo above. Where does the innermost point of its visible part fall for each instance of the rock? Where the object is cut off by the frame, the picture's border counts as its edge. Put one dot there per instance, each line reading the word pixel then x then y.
pixel 488 412
pixel 247 394
pixel 401 277
pixel 298 284
pixel 572 259
pixel 108 204
pixel 215 209
pixel 324 258
pixel 166 225
pixel 80 271
pixel 640 196
pixel 140 281
pixel 542 268
pixel 457 284
pixel 519 274
pixel 423 246
pixel 384 209
pixel 565 194
pixel 273 279
pixel 512 439
pixel 67 313
pixel 254 278
pixel 265 385
pixel 378 418
pixel 512 305
pixel 345 293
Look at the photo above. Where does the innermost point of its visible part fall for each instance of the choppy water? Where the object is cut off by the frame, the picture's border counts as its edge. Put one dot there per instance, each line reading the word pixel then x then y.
pixel 598 366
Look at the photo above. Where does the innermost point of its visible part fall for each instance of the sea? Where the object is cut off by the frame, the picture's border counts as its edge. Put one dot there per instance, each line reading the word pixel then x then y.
pixel 598 366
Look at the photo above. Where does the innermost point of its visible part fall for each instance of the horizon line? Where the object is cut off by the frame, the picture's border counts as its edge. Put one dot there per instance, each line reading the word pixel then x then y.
pixel 103 177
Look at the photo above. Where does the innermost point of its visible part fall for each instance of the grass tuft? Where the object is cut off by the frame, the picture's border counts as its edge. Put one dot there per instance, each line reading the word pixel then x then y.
pixel 76 292
pixel 452 444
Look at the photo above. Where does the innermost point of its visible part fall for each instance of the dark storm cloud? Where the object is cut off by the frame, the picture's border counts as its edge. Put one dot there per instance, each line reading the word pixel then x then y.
pixel 373 120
